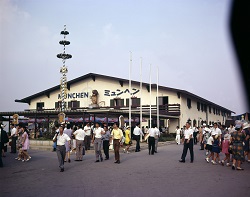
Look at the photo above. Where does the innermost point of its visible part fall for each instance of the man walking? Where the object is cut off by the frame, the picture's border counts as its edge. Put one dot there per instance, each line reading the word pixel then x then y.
pixel 97 141
pixel 116 137
pixel 79 136
pixel 178 135
pixel 60 139
pixel 87 139
pixel 188 143
pixel 13 136
pixel 151 141
pixel 106 138
pixel 137 135
pixel 157 136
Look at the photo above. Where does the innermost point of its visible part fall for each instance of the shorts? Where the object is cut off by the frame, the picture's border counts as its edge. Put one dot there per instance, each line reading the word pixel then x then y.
pixel 209 147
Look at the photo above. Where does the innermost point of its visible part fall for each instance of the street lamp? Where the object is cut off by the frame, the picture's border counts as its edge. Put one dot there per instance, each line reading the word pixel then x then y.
pixel 63 70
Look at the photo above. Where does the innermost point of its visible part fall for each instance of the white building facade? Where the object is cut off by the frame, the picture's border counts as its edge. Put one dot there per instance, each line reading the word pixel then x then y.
pixel 176 106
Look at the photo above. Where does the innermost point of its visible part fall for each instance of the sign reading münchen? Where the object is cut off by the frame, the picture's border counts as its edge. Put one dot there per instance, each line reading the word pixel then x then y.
pixel 75 95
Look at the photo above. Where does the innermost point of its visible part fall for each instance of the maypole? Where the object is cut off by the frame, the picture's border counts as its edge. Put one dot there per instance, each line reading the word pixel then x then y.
pixel 63 70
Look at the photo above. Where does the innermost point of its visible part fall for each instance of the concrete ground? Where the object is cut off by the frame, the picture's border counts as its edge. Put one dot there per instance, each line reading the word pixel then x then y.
pixel 139 174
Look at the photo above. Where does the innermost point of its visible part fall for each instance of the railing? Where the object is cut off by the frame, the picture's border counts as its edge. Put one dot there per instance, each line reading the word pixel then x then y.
pixel 170 109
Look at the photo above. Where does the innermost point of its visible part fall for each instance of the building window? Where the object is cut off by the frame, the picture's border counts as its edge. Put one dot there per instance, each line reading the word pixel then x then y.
pixel 40 105
pixel 202 107
pixel 117 102
pixel 58 105
pixel 205 107
pixel 163 100
pixel 135 102
pixel 210 109
pixel 213 110
pixel 198 106
pixel 73 104
pixel 189 103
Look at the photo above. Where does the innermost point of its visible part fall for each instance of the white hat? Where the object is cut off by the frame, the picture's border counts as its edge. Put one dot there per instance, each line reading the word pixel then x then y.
pixel 207 129
pixel 246 125
pixel 227 136
pixel 204 124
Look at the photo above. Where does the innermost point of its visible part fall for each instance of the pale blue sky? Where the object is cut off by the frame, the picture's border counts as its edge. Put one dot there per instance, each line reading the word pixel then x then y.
pixel 188 40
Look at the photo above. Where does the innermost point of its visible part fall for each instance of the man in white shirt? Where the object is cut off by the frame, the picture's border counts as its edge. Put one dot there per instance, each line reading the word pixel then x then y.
pixel 87 139
pixel 13 138
pixel 151 141
pixel 137 133
pixel 188 143
pixel 79 136
pixel 60 139
pixel 178 135
pixel 97 141
pixel 157 136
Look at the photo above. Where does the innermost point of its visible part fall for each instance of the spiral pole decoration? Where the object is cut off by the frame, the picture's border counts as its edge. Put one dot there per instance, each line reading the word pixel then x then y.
pixel 63 70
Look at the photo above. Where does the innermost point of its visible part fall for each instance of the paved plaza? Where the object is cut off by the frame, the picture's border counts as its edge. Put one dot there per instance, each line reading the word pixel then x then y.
pixel 139 174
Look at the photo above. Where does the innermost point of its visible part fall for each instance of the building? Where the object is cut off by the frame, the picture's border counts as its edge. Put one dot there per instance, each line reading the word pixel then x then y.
pixel 94 97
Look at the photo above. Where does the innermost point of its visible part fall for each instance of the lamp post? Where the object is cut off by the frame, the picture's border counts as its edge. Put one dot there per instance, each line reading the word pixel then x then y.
pixel 63 70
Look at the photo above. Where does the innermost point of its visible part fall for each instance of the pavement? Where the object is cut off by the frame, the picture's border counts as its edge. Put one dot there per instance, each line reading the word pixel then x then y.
pixel 138 174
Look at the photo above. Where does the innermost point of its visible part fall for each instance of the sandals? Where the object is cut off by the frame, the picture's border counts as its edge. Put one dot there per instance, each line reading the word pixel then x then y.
pixel 238 168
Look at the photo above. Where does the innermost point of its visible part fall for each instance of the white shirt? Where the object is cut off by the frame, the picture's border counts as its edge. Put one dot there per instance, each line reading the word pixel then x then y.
pixel 210 140
pixel 203 130
pixel 79 134
pixel 87 130
pixel 151 132
pixel 13 132
pixel 187 133
pixel 157 132
pixel 178 131
pixel 97 132
pixel 61 139
pixel 216 131
pixel 137 131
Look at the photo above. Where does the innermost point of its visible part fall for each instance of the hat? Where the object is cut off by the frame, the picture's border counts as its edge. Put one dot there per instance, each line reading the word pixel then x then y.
pixel 238 126
pixel 207 129
pixel 227 136
pixel 246 125
pixel 128 127
pixel 204 124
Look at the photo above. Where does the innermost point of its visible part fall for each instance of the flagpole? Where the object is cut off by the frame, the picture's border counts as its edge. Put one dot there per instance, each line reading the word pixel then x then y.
pixel 150 97
pixel 157 95
pixel 130 65
pixel 141 96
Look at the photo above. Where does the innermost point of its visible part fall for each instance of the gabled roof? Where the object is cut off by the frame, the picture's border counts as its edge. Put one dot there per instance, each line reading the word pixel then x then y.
pixel 93 76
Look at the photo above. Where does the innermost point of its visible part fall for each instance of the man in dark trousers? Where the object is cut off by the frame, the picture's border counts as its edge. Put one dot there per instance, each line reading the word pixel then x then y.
pixel 188 144
pixel 3 139
pixel 13 137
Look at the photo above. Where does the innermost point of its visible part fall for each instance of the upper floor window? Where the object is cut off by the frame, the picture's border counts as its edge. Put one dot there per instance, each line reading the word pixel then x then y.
pixel 40 105
pixel 189 102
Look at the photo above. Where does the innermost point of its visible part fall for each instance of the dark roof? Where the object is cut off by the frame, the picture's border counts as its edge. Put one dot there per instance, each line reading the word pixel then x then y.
pixel 121 81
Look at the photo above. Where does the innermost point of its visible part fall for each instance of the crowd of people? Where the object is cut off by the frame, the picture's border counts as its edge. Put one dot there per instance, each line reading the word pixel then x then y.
pixel 225 146
pixel 19 142
pixel 78 139
pixel 232 143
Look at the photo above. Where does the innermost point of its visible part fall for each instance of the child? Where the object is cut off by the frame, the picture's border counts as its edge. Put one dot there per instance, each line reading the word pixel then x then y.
pixel 216 149
pixel 225 146
pixel 209 148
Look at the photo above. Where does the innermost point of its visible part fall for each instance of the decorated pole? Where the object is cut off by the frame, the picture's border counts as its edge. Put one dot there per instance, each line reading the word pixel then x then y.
pixel 63 70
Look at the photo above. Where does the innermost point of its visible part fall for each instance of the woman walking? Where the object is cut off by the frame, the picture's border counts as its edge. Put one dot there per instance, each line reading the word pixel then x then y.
pixel 237 138
pixel 127 140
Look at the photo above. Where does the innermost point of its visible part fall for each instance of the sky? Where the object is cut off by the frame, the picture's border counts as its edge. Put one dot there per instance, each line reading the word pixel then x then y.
pixel 189 41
